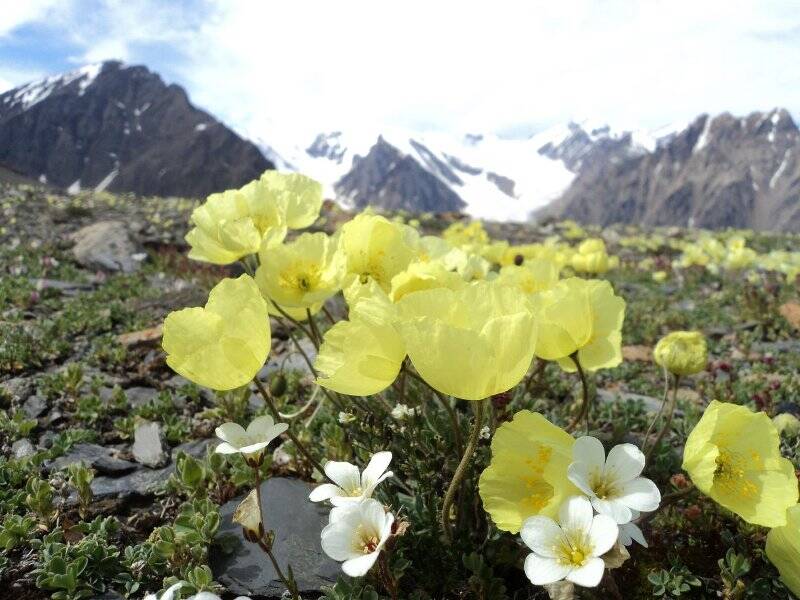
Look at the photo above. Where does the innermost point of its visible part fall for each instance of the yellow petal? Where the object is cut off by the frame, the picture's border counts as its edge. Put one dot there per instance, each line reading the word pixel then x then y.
pixel 223 345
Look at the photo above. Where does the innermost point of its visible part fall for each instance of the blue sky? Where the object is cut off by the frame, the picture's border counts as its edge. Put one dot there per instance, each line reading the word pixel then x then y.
pixel 275 67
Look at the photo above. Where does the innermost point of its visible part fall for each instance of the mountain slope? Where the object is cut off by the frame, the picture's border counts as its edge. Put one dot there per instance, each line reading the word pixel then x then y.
pixel 117 127
pixel 718 172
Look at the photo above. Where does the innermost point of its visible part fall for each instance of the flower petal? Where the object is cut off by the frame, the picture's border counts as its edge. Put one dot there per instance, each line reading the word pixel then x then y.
pixel 616 509
pixel 233 433
pixel 589 575
pixel 589 451
pixel 376 467
pixel 360 566
pixel 325 491
pixel 226 448
pixel 337 540
pixel 624 462
pixel 580 474
pixel 603 534
pixel 640 494
pixel 344 474
pixel 630 532
pixel 575 515
pixel 542 535
pixel 541 570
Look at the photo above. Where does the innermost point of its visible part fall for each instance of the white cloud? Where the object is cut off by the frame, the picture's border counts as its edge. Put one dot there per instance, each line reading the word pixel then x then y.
pixel 460 66
pixel 19 12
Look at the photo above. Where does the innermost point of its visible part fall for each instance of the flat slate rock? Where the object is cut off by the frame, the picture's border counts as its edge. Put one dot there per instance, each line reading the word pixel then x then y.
pixel 100 458
pixel 297 523
pixel 105 245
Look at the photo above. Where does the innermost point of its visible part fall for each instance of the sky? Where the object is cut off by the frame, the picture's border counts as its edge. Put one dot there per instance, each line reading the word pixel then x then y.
pixel 512 68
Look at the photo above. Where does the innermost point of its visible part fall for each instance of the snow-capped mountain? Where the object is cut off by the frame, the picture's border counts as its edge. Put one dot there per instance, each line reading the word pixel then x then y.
pixel 719 171
pixel 119 127
pixel 484 175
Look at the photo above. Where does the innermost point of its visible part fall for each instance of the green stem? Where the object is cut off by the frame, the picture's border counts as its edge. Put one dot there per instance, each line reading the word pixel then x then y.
pixel 276 415
pixel 585 403
pixel 461 470
pixel 313 324
pixel 668 421
pixel 446 404
pixel 310 364
pixel 660 412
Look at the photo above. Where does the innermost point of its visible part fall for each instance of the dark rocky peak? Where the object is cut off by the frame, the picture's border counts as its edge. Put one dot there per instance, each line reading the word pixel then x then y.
pixel 119 127
pixel 582 149
pixel 390 179
pixel 328 145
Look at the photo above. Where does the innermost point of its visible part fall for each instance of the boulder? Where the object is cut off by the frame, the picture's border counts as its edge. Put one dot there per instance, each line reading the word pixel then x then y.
pixel 106 245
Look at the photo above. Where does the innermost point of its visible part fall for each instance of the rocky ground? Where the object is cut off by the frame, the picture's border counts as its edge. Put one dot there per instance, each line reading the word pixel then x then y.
pixel 85 283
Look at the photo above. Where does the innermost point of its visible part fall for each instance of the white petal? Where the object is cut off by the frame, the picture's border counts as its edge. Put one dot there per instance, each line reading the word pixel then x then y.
pixel 343 474
pixel 632 533
pixel 376 467
pixel 373 515
pixel 260 426
pixel 324 492
pixel 615 509
pixel 170 591
pixel 541 570
pixel 542 535
pixel 204 596
pixel 253 448
pixel 346 500
pixel 640 494
pixel 337 541
pixel 360 566
pixel 351 513
pixel 386 532
pixel 226 448
pixel 371 487
pixel 589 575
pixel 625 462
pixel 581 475
pixel 575 514
pixel 589 450
pixel 603 534
pixel 233 433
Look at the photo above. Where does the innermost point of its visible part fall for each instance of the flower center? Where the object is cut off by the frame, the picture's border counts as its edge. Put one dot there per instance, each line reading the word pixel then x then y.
pixel 366 540
pixel 573 550
pixel 731 475
pixel 355 491
pixel 539 491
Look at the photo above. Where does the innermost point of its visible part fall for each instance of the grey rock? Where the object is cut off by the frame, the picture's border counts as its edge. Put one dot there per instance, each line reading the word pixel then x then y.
pixel 650 404
pixel 149 447
pixel 139 396
pixel 297 523
pixel 100 458
pixel 105 245
pixel 779 346
pixel 22 448
pixel 67 288
pixel 144 482
pixel 35 406
pixel 19 388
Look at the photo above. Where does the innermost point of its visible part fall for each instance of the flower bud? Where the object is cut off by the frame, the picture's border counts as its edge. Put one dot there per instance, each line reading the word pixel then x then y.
pixel 682 352
pixel 787 424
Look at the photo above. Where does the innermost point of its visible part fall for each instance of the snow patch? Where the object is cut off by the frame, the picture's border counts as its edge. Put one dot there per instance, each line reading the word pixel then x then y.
pixel 779 171
pixel 201 127
pixel 702 141
pixel 106 181
pixel 32 93
pixel 74 188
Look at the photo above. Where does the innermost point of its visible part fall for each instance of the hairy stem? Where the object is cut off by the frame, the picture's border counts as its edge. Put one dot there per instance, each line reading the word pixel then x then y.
pixel 276 415
pixel 461 470
pixel 668 421
pixel 660 410
pixel 583 413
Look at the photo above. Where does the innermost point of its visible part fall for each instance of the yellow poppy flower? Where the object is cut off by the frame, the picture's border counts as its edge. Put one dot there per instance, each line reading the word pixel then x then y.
pixel 299 197
pixel 682 352
pixel 528 472
pixel 234 224
pixel 583 316
pixel 424 276
pixel 469 343
pixel 733 456
pixel 377 249
pixel 223 345
pixel 534 275
pixel 363 355
pixel 302 273
pixel 783 549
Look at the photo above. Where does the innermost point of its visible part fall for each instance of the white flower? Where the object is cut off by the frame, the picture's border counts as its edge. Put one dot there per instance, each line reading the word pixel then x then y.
pixel 356 535
pixel 613 485
pixel 253 440
pixel 346 417
pixel 402 412
pixel 169 593
pixel 350 484
pixel 630 532
pixel 570 549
